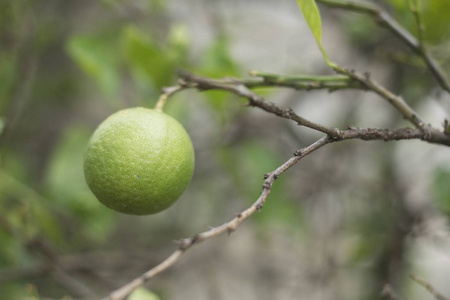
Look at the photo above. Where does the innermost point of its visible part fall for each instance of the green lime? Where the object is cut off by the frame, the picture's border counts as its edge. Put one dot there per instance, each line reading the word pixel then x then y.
pixel 139 161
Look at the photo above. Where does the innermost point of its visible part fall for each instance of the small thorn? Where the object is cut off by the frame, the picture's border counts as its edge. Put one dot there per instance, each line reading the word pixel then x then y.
pixel 298 153
pixel 195 239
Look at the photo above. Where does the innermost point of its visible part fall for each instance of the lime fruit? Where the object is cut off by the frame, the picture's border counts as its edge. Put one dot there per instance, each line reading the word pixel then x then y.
pixel 139 161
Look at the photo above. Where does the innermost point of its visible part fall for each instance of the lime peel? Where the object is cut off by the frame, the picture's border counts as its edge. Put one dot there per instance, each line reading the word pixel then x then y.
pixel 139 161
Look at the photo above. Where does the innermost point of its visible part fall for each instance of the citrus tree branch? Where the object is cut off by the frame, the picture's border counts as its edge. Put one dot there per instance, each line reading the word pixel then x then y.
pixel 189 80
pixel 384 19
pixel 240 88
pixel 348 79
pixel 396 101
pixel 227 227
pixel 304 82
pixel 230 226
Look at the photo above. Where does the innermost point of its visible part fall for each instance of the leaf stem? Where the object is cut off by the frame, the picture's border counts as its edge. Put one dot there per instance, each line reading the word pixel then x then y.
pixel 161 101
pixel 289 79
pixel 166 93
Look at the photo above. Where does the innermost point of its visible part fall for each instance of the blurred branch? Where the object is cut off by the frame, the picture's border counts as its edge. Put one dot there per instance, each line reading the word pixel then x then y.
pixel 429 287
pixel 414 7
pixel 384 19
pixel 393 99
pixel 227 227
pixel 389 293
pixel 59 273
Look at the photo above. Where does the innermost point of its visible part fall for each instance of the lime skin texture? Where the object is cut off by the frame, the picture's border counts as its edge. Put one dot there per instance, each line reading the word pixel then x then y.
pixel 139 161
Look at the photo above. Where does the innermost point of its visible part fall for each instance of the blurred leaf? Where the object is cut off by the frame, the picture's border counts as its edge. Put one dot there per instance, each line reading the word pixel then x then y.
pixel 143 294
pixel 178 42
pixel 14 164
pixel 434 15
pixel 28 213
pixel 312 17
pixel 362 30
pixel 2 124
pixel 150 65
pixel 11 251
pixel 441 190
pixel 217 62
pixel 98 57
pixel 67 187
pixel 8 74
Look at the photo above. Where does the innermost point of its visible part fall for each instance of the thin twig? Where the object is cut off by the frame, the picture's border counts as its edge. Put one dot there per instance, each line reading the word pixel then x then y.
pixel 429 287
pixel 271 77
pixel 414 7
pixel 254 99
pixel 393 99
pixel 333 135
pixel 227 227
pixel 433 136
pixel 166 93
pixel 302 82
pixel 384 19
pixel 239 87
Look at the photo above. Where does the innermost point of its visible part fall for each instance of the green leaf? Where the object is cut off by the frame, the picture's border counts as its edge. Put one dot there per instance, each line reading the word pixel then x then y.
pixel 98 57
pixel 217 62
pixel 433 14
pixel 312 17
pixel 148 60
pixel 67 187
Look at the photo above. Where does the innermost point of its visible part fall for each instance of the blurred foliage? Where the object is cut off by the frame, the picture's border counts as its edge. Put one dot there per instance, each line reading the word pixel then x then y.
pixel 63 70
pixel 433 13
pixel 42 186
pixel 382 45
pixel 441 188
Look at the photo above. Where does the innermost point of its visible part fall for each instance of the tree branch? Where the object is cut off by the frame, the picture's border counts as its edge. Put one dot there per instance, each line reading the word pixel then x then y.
pixel 189 80
pixel 227 227
pixel 238 87
pixel 384 19
pixel 396 101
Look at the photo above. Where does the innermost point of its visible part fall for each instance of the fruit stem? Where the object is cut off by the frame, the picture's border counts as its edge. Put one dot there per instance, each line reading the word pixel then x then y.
pixel 161 101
